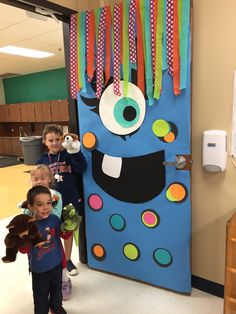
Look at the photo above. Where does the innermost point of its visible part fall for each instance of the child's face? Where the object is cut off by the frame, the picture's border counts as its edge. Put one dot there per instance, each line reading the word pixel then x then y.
pixel 41 178
pixel 53 141
pixel 42 205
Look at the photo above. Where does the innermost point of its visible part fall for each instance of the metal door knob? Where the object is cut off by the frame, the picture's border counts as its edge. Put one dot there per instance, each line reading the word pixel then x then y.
pixel 180 162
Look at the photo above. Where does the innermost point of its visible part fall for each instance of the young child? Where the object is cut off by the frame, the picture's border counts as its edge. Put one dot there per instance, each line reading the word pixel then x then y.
pixel 64 167
pixel 41 175
pixel 46 259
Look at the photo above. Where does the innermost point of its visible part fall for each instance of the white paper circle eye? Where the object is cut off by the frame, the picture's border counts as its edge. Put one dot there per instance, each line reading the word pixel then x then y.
pixel 122 114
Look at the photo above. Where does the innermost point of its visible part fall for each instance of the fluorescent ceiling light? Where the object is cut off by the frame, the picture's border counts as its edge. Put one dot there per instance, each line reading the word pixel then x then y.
pixel 25 52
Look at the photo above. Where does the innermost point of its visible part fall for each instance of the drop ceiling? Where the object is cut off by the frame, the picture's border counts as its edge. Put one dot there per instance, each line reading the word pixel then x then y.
pixel 17 29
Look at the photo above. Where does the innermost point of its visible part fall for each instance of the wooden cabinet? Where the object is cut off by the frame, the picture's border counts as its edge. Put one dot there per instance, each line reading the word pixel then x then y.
pixel 230 268
pixel 15 112
pixel 5 146
pixel 59 110
pixel 27 112
pixel 42 111
pixel 4 113
pixel 10 146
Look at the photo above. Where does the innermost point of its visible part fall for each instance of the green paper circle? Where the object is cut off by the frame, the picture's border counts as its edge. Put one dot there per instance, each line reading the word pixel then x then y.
pixel 131 251
pixel 161 128
pixel 170 197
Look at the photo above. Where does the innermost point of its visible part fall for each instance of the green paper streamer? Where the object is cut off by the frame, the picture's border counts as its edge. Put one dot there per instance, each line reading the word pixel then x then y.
pixel 82 51
pixel 158 66
pixel 184 43
pixel 125 47
pixel 97 13
pixel 180 6
pixel 148 53
pixel 142 14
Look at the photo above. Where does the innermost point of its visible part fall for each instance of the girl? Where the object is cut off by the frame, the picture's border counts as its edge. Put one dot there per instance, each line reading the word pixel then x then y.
pixel 46 259
pixel 41 175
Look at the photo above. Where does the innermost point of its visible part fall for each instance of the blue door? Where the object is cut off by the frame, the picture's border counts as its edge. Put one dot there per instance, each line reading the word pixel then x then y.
pixel 137 184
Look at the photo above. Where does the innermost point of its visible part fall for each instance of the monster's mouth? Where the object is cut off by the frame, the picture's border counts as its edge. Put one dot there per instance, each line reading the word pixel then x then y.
pixel 130 179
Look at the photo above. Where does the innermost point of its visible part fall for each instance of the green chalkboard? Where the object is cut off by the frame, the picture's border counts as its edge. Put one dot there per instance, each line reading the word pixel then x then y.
pixel 40 86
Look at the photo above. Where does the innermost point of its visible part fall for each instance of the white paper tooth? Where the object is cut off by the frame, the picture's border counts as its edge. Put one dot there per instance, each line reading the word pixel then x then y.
pixel 111 166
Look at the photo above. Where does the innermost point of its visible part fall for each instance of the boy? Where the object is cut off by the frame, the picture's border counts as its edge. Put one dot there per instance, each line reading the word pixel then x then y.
pixel 64 166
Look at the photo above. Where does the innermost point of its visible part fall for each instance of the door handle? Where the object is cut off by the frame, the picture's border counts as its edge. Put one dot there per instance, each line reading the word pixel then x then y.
pixel 180 162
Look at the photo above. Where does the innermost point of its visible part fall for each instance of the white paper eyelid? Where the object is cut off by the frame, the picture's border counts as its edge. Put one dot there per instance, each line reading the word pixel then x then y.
pixel 107 104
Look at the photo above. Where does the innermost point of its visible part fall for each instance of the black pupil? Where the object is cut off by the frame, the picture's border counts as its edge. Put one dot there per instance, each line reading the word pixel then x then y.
pixel 129 113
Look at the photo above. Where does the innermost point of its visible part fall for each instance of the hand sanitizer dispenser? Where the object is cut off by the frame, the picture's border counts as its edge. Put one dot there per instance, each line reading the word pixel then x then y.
pixel 214 150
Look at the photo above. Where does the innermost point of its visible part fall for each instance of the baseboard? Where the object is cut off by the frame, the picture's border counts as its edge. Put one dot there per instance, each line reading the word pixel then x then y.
pixel 208 286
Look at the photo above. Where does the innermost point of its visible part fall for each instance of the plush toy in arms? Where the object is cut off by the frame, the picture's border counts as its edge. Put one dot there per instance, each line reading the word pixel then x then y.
pixel 71 222
pixel 22 232
pixel 71 143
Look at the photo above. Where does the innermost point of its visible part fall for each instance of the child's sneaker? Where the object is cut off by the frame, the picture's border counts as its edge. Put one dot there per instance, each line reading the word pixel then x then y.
pixel 71 269
pixel 66 289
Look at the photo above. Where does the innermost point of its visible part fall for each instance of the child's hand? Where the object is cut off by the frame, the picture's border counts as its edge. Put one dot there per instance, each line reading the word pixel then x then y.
pixel 71 143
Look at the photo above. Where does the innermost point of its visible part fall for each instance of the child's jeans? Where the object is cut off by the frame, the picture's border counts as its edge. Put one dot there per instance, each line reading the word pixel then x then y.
pixel 47 291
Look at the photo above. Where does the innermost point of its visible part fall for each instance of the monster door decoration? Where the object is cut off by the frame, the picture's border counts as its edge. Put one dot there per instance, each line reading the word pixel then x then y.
pixel 134 114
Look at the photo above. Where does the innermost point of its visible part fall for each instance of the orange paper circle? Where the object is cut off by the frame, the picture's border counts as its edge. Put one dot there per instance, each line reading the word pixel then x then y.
pixel 98 250
pixel 170 137
pixel 177 191
pixel 89 140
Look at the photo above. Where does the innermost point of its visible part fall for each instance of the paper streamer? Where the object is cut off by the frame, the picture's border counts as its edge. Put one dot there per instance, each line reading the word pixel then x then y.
pixel 100 53
pixel 169 30
pixel 73 57
pixel 117 15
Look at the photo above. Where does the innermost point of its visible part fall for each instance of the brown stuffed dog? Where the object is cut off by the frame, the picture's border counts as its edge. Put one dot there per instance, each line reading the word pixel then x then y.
pixel 22 232
pixel 71 143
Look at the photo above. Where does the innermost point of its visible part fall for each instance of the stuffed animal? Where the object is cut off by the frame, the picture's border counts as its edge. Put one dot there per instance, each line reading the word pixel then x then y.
pixel 22 233
pixel 71 143
pixel 71 221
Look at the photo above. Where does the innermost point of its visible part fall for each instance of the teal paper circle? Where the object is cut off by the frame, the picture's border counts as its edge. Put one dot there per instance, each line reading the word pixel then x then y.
pixel 119 109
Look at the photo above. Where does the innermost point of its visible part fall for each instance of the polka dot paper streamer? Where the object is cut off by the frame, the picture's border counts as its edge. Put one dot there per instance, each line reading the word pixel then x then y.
pixel 150 218
pixel 169 31
pixel 98 252
pixel 132 47
pixel 162 257
pixel 100 53
pixel 95 202
pixel 73 57
pixel 131 251
pixel 117 30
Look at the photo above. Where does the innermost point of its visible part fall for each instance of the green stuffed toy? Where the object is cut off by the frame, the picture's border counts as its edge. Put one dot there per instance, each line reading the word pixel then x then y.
pixel 71 221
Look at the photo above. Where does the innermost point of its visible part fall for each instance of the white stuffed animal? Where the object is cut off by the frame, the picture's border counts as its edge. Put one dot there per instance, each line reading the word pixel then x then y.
pixel 71 143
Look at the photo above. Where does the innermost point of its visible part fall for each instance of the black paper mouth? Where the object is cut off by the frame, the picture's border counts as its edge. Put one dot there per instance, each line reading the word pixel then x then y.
pixel 141 178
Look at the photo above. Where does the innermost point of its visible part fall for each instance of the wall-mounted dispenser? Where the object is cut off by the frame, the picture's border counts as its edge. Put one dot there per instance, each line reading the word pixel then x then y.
pixel 214 150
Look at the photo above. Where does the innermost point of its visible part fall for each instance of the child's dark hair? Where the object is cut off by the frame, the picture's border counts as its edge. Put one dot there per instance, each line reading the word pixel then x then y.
pixel 36 190
pixel 52 128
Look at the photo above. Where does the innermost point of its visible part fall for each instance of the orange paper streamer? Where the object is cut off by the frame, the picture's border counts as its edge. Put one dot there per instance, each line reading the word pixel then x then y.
pixel 91 45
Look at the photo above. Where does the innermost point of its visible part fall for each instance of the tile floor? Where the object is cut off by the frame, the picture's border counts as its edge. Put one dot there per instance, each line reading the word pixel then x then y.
pixel 94 292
